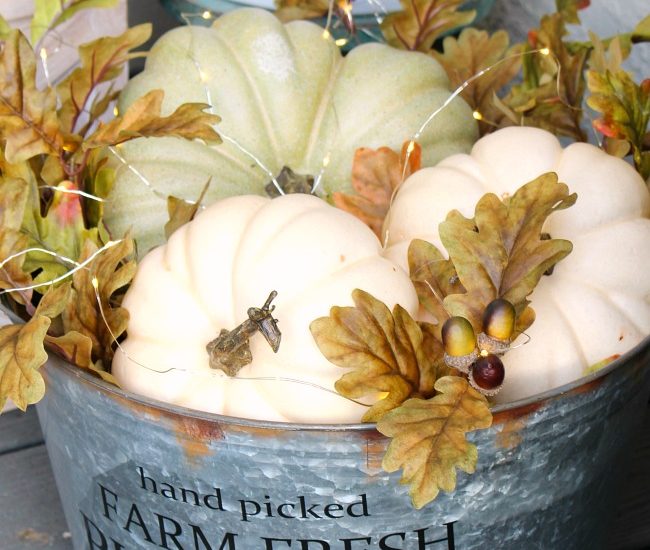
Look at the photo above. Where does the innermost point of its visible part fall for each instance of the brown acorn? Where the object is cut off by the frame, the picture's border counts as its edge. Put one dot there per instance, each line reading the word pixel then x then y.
pixel 459 341
pixel 486 374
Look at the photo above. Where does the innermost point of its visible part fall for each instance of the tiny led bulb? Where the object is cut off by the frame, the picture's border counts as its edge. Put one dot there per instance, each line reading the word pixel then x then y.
pixel 545 51
pixel 411 147
pixel 477 115
pixel 43 54
pixel 206 15
pixel 340 42
pixel 95 282
pixel 116 111
pixel 326 34
pixel 326 160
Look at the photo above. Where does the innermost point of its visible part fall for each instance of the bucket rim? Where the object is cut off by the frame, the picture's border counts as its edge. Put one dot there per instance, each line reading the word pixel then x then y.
pixel 511 408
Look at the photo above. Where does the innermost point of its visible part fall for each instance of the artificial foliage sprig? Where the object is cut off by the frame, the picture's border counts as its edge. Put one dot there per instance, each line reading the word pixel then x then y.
pixel 56 167
pixel 425 406
pixel 557 75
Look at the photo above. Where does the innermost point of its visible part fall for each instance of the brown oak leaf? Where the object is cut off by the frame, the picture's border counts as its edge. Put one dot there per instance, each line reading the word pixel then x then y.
pixel 181 211
pixel 101 61
pixel 29 124
pixel 376 174
pixel 428 437
pixel 143 119
pixel 552 92
pixel 385 351
pixel 434 278
pixel 21 355
pixel 502 252
pixel 421 22
pixel 475 52
pixel 14 193
pixel 290 10
pixel 101 320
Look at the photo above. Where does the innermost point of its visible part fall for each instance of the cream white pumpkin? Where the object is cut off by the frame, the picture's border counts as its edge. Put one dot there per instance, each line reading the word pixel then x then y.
pixel 228 259
pixel 286 95
pixel 597 301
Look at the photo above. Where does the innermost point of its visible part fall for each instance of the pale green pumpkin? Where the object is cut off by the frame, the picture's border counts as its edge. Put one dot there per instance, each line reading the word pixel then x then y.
pixel 285 94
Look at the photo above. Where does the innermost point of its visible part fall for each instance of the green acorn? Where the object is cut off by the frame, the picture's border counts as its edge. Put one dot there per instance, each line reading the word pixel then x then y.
pixel 499 319
pixel 459 341
pixel 498 326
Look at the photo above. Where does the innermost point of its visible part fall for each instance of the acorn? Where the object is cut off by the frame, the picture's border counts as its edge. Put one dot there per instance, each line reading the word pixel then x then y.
pixel 459 341
pixel 498 326
pixel 486 374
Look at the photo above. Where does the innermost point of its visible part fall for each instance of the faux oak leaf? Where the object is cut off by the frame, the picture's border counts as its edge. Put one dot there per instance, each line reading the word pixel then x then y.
pixel 618 46
pixel 434 278
pixel 421 22
pixel 641 32
pixel 606 57
pixel 502 252
pixel 569 9
pixel 290 10
pixel 182 211
pixel 49 14
pixel 14 194
pixel 54 300
pixel 428 437
pixel 433 348
pixel 112 269
pixel 99 181
pixel 471 53
pixel 384 351
pixel 61 230
pixel 101 61
pixel 375 176
pixel 143 119
pixel 22 352
pixel 21 355
pixel 76 348
pixel 553 87
pixel 5 28
pixel 28 120
pixel 624 107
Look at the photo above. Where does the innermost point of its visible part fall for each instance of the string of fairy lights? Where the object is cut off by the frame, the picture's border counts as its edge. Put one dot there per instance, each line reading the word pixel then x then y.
pixel 345 11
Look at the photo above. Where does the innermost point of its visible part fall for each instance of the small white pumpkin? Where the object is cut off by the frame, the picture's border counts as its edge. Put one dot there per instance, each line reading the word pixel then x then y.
pixel 228 259
pixel 285 94
pixel 597 301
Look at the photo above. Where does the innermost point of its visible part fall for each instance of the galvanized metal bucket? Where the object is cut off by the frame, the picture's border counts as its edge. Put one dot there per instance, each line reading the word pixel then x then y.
pixel 134 473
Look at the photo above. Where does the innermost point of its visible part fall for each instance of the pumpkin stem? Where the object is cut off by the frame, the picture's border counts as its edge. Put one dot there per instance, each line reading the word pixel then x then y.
pixel 289 182
pixel 230 351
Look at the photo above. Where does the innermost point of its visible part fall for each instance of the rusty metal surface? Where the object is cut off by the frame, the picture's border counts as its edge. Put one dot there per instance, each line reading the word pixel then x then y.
pixel 139 474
